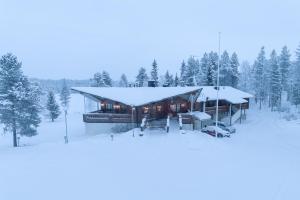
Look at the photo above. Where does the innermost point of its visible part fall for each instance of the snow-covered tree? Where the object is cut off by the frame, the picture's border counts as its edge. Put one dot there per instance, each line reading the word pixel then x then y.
pixel 246 77
pixel 19 99
pixel 142 77
pixel 52 106
pixel 65 95
pixel 204 68
pixel 296 79
pixel 284 63
pixel 176 81
pixel 259 83
pixel 212 69
pixel 154 73
pixel 98 80
pixel 275 92
pixel 123 81
pixel 183 74
pixel 106 79
pixel 193 67
pixel 168 80
pixel 234 65
pixel 225 69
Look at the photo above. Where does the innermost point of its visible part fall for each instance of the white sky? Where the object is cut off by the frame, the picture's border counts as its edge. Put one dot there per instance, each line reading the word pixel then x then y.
pixel 74 39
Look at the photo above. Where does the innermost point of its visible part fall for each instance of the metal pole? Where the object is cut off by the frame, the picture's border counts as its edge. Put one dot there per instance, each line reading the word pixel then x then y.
pixel 66 123
pixel 132 121
pixel 218 81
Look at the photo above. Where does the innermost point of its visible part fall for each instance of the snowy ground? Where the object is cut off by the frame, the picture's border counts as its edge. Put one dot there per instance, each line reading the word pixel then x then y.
pixel 261 161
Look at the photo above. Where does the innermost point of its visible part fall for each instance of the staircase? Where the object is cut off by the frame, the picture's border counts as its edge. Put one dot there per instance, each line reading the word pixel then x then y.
pixel 236 114
pixel 157 124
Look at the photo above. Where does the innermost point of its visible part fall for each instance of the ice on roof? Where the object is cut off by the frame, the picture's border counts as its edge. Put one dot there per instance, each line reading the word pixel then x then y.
pixel 135 96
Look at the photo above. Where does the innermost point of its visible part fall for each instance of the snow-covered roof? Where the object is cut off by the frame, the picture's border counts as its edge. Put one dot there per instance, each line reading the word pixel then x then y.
pixel 227 93
pixel 201 115
pixel 135 96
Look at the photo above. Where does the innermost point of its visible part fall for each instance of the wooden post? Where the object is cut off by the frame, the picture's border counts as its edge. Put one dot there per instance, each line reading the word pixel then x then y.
pixel 240 113
pixel 230 112
pixel 204 105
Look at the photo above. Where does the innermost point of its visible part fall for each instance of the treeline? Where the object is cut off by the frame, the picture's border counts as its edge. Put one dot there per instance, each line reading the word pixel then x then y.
pixel 192 72
pixel 269 77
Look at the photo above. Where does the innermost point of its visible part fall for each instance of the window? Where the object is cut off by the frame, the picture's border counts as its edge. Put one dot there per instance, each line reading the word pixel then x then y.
pixel 158 108
pixel 146 109
pixel 109 106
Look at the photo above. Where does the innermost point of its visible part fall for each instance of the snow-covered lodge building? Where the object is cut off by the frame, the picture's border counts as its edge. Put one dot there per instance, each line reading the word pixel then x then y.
pixel 130 106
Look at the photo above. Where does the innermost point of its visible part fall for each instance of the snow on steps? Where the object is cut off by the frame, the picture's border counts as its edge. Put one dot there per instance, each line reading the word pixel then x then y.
pixel 236 116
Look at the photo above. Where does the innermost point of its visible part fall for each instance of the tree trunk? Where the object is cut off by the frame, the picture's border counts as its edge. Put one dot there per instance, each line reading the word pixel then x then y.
pixel 15 136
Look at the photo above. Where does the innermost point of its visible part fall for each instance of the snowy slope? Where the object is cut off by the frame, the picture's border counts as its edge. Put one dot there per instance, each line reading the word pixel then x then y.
pixel 261 161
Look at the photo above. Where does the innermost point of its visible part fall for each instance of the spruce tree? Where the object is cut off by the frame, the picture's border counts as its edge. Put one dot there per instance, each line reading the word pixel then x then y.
pixel 193 67
pixel 275 81
pixel 106 79
pixel 213 68
pixel 176 81
pixel 234 65
pixel 65 95
pixel 284 63
pixel 142 77
pixel 123 81
pixel 296 79
pixel 225 70
pixel 52 106
pixel 154 73
pixel 169 81
pixel 183 74
pixel 259 84
pixel 246 79
pixel 19 99
pixel 98 80
pixel 204 68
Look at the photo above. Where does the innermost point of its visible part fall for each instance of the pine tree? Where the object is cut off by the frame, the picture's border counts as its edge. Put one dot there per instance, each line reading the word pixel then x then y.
pixel 19 99
pixel 142 78
pixel 29 108
pixel 52 106
pixel 259 83
pixel 183 74
pixel 176 81
pixel 275 92
pixel 225 70
pixel 204 68
pixel 193 68
pixel 106 79
pixel 123 81
pixel 212 69
pixel 234 65
pixel 65 95
pixel 246 77
pixel 169 81
pixel 284 63
pixel 154 73
pixel 296 80
pixel 98 80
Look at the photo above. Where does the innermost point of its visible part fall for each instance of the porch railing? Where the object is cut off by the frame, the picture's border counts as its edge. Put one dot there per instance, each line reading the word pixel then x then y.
pixel 108 118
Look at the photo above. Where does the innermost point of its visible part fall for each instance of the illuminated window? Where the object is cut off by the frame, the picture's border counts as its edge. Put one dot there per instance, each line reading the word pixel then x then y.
pixel 117 107
pixel 159 108
pixel 146 109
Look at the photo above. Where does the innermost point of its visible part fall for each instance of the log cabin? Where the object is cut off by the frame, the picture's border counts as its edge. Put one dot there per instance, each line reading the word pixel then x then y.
pixel 127 107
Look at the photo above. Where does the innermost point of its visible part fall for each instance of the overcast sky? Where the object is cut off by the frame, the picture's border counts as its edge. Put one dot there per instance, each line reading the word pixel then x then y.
pixel 74 39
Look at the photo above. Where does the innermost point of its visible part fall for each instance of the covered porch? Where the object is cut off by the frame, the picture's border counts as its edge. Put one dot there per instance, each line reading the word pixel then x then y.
pixel 110 110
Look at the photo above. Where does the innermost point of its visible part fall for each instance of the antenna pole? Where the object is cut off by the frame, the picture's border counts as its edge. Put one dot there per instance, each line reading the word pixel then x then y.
pixel 218 82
